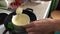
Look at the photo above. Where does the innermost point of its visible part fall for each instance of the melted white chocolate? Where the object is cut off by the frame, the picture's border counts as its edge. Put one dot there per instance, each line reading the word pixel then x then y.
pixel 19 10
pixel 20 20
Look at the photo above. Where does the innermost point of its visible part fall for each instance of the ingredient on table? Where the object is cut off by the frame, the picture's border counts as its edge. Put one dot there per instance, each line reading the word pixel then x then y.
pixel 3 4
pixel 16 3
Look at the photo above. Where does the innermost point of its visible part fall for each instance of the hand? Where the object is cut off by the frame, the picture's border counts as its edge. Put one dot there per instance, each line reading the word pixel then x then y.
pixel 42 26
pixel 45 0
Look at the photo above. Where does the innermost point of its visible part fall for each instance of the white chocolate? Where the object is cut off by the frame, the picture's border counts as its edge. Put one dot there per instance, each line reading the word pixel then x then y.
pixel 20 20
pixel 19 10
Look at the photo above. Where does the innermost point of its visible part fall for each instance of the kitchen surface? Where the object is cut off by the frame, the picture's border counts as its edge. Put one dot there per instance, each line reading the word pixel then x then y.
pixel 41 10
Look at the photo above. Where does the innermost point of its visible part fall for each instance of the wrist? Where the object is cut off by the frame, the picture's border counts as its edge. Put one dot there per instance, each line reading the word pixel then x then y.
pixel 54 23
pixel 57 24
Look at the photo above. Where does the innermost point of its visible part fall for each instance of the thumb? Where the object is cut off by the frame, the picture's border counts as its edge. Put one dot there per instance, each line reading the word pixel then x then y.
pixel 45 0
pixel 28 25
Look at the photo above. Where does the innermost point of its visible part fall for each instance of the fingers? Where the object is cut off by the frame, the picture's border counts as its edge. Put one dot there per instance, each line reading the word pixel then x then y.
pixel 40 33
pixel 27 26
pixel 32 30
pixel 31 33
pixel 35 33
pixel 45 0
pixel 31 24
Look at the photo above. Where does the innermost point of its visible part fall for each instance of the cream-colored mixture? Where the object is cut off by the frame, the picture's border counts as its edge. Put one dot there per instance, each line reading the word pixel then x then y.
pixel 20 20
pixel 19 10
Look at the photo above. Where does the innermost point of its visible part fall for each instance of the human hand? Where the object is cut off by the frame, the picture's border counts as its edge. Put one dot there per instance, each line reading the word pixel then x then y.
pixel 42 26
pixel 45 0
